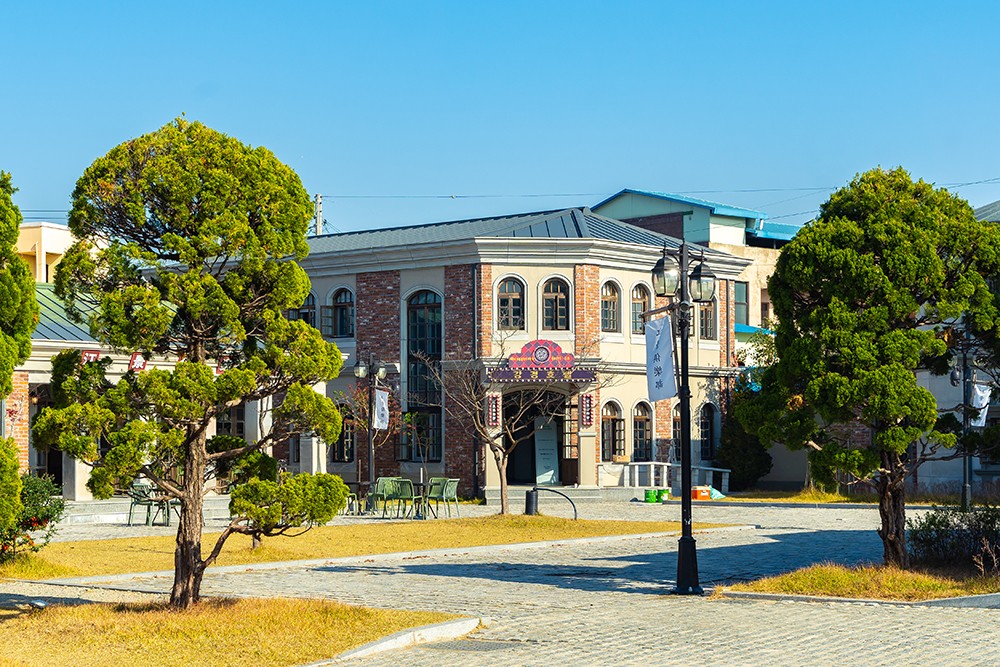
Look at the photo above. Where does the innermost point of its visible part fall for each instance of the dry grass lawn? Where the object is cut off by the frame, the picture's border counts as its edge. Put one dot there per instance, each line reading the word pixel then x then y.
pixel 145 554
pixel 873 582
pixel 221 633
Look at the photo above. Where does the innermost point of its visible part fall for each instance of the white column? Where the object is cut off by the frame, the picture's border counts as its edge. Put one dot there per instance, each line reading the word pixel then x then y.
pixel 75 476
pixel 313 450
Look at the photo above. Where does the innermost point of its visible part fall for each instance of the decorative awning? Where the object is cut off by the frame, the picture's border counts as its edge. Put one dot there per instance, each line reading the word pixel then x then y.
pixel 542 361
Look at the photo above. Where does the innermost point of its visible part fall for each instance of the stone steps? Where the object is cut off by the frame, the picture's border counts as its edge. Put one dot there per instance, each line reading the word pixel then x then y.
pixel 115 510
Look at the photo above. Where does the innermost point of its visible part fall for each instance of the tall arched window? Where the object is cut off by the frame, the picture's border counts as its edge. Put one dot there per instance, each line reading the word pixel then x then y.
pixel 343 314
pixel 612 432
pixel 423 349
pixel 610 308
pixel 555 305
pixel 510 305
pixel 706 320
pixel 642 433
pixel 707 423
pixel 640 304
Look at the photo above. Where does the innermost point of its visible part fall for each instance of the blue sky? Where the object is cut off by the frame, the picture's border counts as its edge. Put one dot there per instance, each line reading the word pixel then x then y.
pixel 389 108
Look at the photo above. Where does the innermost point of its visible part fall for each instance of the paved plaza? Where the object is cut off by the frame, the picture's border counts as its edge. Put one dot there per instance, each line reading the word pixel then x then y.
pixel 602 602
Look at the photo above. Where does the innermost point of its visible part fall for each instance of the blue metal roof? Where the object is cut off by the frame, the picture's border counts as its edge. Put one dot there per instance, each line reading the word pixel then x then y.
pixel 714 207
pixel 775 230
pixel 989 212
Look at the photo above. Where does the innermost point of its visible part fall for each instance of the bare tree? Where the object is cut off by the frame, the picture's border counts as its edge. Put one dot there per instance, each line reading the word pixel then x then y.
pixel 504 406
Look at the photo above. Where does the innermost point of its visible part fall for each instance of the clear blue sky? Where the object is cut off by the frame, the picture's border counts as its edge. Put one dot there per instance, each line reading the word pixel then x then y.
pixel 417 99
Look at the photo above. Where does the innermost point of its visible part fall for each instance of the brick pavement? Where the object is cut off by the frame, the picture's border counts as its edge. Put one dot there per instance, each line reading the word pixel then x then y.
pixel 596 603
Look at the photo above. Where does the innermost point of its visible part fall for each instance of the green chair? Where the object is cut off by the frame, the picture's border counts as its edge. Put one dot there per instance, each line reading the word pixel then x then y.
pixel 142 496
pixel 405 495
pixel 435 492
pixel 386 491
pixel 443 490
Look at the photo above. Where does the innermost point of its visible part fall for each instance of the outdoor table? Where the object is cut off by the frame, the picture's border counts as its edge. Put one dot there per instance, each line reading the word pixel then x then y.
pixel 360 491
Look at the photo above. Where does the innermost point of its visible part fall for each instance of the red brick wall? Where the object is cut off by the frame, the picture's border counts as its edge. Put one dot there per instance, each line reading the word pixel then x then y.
pixel 17 417
pixel 587 310
pixel 377 312
pixel 460 320
pixel 378 331
pixel 485 315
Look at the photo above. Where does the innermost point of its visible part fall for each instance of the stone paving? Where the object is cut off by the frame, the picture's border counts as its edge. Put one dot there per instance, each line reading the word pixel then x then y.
pixel 603 602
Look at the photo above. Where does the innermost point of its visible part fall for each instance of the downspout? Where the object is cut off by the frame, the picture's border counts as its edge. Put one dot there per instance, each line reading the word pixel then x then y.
pixel 475 343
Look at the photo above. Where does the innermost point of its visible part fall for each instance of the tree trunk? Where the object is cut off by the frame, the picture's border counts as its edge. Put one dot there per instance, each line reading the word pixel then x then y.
pixel 891 486
pixel 500 457
pixel 188 565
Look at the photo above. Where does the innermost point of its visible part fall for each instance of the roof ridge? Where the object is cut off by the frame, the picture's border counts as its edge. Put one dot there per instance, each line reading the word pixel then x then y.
pixel 443 223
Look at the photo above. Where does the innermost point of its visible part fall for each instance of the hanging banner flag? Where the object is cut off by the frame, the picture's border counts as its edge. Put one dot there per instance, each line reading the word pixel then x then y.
pixel 660 360
pixel 381 421
pixel 981 401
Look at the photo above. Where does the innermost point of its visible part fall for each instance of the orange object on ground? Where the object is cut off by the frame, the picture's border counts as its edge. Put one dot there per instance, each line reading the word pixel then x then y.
pixel 701 493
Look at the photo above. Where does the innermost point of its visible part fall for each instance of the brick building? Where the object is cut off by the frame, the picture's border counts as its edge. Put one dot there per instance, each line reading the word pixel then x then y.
pixel 566 282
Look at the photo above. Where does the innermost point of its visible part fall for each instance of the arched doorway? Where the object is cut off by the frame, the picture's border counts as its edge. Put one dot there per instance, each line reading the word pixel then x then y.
pixel 536 448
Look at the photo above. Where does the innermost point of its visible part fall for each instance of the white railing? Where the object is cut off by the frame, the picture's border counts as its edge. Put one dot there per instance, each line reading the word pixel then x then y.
pixel 655 474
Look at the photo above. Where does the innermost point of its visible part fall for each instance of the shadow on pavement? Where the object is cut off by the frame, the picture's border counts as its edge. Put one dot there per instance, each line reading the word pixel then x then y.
pixel 654 572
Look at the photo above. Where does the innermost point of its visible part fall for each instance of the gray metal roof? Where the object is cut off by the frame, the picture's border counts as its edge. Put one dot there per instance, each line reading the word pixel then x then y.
pixel 52 321
pixel 989 212
pixel 570 223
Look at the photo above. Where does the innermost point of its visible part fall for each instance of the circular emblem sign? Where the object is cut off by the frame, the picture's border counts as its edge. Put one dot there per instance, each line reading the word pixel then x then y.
pixel 541 354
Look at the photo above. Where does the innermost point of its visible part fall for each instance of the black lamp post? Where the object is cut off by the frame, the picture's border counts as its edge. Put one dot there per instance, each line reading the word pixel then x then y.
pixel 672 278
pixel 965 379
pixel 374 372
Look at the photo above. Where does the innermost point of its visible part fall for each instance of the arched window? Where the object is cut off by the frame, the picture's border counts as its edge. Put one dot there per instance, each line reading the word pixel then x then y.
pixel 642 433
pixel 707 423
pixel 510 305
pixel 706 320
pixel 675 434
pixel 423 349
pixel 343 314
pixel 612 432
pixel 306 312
pixel 610 319
pixel 555 305
pixel 640 304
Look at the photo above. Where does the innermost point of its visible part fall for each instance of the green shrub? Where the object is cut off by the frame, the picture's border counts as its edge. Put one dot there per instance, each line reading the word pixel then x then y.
pixel 946 536
pixel 10 485
pixel 41 510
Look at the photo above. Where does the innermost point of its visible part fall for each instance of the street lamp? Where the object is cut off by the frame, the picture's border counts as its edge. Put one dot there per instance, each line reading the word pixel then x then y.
pixel 965 379
pixel 672 278
pixel 374 372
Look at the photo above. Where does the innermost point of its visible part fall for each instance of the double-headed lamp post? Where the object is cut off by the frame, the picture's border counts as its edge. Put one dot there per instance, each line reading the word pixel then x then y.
pixel 374 372
pixel 965 379
pixel 671 278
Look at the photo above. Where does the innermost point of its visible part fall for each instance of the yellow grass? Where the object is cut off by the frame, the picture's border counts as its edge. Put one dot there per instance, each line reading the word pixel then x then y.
pixel 222 633
pixel 145 554
pixel 871 582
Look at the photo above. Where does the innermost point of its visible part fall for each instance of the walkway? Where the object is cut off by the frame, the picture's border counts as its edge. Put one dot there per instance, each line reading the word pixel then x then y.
pixel 603 602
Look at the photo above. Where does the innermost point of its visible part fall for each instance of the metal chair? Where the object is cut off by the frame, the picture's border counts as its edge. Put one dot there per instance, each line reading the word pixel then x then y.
pixel 405 494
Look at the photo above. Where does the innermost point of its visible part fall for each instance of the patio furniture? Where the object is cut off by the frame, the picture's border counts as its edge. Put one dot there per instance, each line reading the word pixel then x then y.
pixel 143 494
pixel 443 490
pixel 405 494
pixel 386 490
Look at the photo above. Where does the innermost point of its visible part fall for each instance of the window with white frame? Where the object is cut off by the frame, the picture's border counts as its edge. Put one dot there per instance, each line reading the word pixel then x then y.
pixel 612 432
pixel 640 304
pixel 610 308
pixel 642 433
pixel 510 305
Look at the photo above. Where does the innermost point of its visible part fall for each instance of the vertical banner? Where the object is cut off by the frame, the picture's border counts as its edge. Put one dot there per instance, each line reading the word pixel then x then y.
pixel 981 401
pixel 660 360
pixel 381 421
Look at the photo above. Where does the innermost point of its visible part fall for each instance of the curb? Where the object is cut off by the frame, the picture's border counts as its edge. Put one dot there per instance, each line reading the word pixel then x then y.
pixel 376 558
pixel 986 601
pixel 407 638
